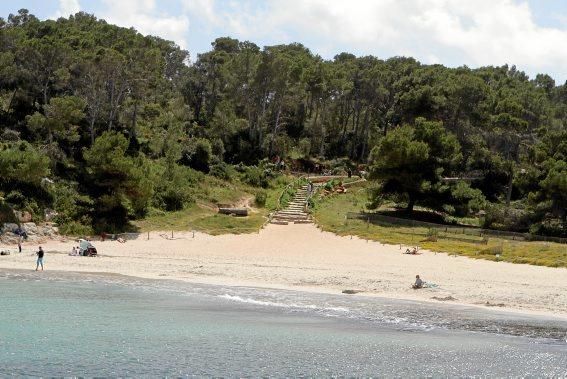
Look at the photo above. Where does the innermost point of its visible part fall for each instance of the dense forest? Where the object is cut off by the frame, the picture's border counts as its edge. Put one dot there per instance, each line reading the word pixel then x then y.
pixel 101 123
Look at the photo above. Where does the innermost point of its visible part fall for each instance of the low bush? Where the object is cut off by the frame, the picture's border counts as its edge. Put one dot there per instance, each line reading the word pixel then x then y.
pixel 76 228
pixel 256 177
pixel 6 213
pixel 493 250
pixel 222 171
pixel 554 227
pixel 260 198
pixel 198 155
pixel 498 216
pixel 175 187
pixel 467 200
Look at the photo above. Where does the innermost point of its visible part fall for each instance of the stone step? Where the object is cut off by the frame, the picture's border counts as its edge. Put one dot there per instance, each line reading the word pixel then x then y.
pixel 303 222
pixel 291 211
pixel 289 217
pixel 278 222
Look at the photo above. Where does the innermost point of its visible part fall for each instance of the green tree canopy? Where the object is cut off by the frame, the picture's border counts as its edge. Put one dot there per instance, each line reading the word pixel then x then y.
pixel 411 160
pixel 121 184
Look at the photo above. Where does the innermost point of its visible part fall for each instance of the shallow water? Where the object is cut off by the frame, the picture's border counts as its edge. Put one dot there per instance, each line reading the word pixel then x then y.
pixel 55 324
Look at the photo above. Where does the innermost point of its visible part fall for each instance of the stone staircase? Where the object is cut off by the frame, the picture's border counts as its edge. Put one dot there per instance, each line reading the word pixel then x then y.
pixel 295 211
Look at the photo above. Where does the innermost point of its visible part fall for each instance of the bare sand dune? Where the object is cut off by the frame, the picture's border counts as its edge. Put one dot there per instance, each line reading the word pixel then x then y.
pixel 302 257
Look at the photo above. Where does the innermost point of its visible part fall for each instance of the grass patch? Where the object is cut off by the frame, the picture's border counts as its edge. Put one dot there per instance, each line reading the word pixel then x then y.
pixel 203 216
pixel 330 215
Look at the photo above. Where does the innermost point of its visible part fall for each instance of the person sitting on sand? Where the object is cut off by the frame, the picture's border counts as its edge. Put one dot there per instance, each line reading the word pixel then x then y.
pixel 411 252
pixel 418 283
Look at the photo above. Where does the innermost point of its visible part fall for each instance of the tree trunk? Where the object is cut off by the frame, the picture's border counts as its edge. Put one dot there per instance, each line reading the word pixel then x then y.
pixel 323 129
pixel 92 130
pixel 356 130
pixel 134 119
pixel 275 130
pixel 11 100
pixel 111 101
pixel 411 204
pixel 509 190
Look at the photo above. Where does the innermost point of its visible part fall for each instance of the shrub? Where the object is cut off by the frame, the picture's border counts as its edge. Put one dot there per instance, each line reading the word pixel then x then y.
pixel 217 148
pixel 71 206
pixel 468 200
pixel 6 213
pixel 550 227
pixel 122 185
pixel 222 171
pixel 493 250
pixel 76 228
pixel 174 189
pixel 198 155
pixel 10 135
pixel 432 235
pixel 256 177
pixel 498 216
pixel 15 198
pixel 260 198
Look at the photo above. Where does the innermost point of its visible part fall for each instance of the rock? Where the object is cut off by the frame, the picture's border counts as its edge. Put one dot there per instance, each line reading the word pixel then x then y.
pixel 351 292
pixel 489 304
pixel 9 228
pixel 23 216
pixel 9 238
pixel 30 228
pixel 446 298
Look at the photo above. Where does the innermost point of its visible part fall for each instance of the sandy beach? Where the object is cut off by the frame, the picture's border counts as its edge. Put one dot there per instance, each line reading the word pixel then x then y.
pixel 304 258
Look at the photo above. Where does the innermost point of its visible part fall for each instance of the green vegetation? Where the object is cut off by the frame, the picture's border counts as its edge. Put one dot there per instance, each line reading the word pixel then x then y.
pixel 330 214
pixel 110 128
pixel 202 214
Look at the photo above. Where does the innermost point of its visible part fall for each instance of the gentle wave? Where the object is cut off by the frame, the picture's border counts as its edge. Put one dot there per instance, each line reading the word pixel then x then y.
pixel 281 305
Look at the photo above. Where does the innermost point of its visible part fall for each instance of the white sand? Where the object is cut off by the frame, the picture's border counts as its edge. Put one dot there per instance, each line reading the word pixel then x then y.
pixel 302 257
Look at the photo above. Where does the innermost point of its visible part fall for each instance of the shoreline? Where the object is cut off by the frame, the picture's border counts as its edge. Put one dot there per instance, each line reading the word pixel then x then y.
pixel 496 310
pixel 304 258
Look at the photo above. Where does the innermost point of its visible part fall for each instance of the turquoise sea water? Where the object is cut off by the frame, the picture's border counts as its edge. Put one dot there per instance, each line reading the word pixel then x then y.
pixel 55 324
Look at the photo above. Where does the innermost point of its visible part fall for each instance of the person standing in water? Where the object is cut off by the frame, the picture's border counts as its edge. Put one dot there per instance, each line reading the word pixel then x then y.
pixel 39 254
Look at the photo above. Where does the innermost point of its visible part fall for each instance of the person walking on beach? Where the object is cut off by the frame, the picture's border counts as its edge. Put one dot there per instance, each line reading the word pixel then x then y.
pixel 39 254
